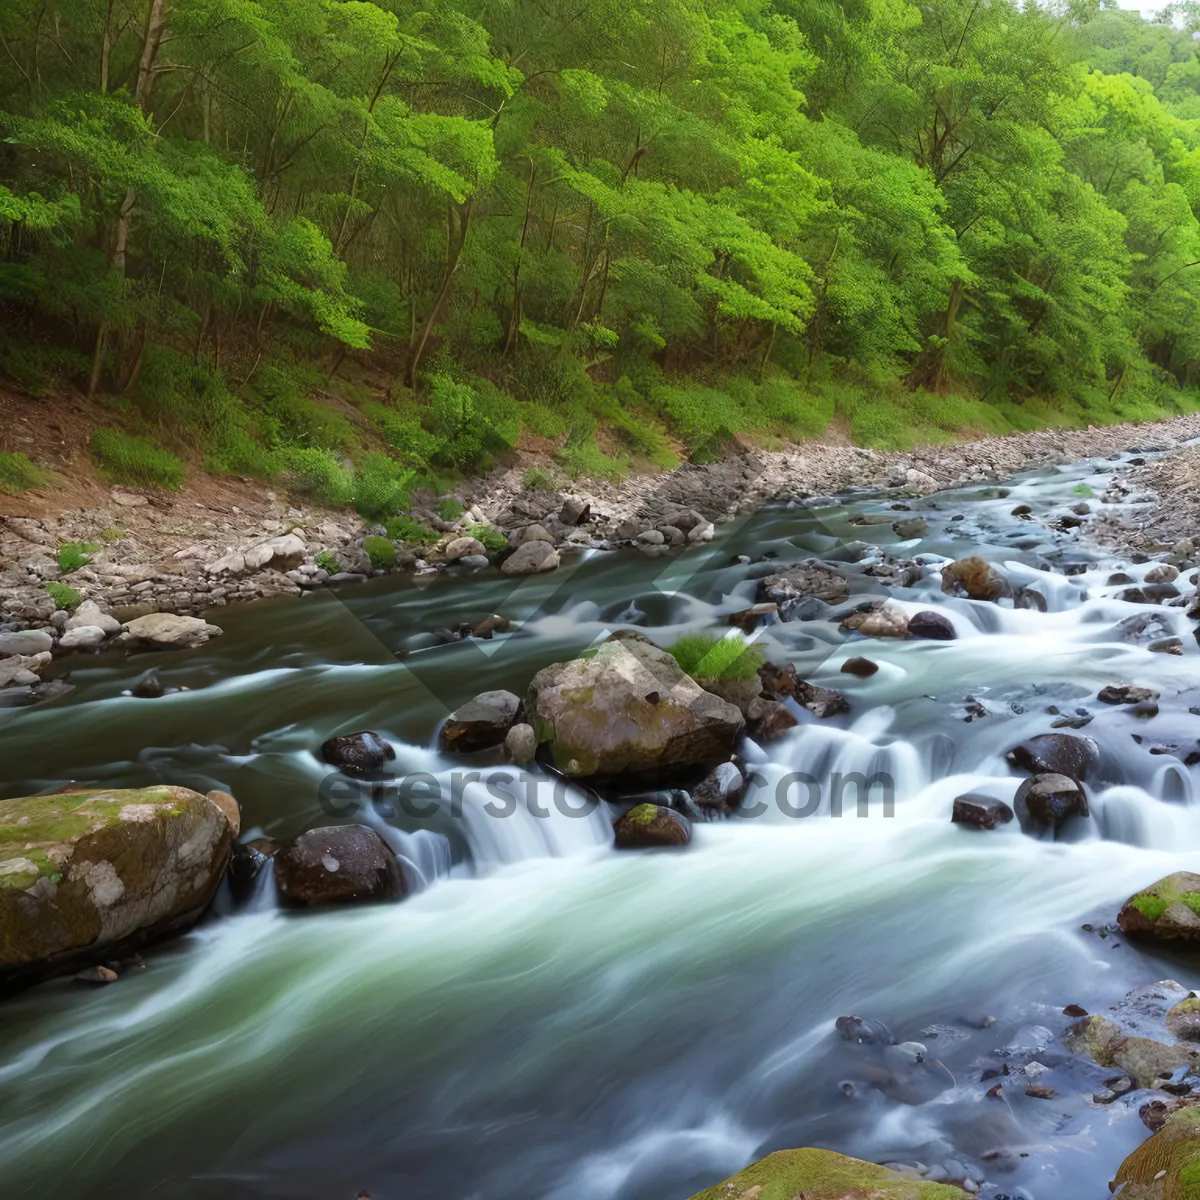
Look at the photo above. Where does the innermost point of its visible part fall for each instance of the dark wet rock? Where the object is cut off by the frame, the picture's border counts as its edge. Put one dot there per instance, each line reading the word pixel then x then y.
pixel 1117 578
pixel 1075 568
pixel 489 626
pixel 931 625
pixel 1048 799
pixel 864 1031
pixel 359 754
pixel 1171 645
pixel 749 619
pixel 481 723
pixel 980 812
pixel 861 668
pixel 1082 509
pixel 769 719
pixel 1030 598
pixel 1168 910
pixel 575 511
pixel 1022 510
pixel 148 687
pixel 1055 753
pixel 1156 1113
pixel 647 826
pixel 86 872
pixel 821 702
pixel 594 713
pixel 720 790
pixel 1125 693
pixel 339 864
pixel 809 579
pixel 778 681
pixel 975 578
pixel 246 864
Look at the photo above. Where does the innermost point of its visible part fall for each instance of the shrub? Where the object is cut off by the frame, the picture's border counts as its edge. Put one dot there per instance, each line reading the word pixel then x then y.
pixel 319 474
pixel 408 529
pixel 63 595
pixel 381 486
pixel 493 540
pixel 451 509
pixel 710 656
pixel 327 562
pixel 381 552
pixel 18 474
pixel 73 555
pixel 123 458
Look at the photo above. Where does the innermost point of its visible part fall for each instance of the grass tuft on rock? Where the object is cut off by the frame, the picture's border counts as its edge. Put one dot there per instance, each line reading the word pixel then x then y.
pixel 73 555
pixel 711 656
pixel 63 595
pixel 381 552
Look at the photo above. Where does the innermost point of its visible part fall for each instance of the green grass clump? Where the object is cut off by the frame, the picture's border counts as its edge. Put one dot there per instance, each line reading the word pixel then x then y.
pixel 450 509
pixel 493 540
pixel 711 656
pixel 18 474
pixel 320 474
pixel 327 562
pixel 410 530
pixel 73 555
pixel 381 552
pixel 63 595
pixel 111 535
pixel 124 458
pixel 537 480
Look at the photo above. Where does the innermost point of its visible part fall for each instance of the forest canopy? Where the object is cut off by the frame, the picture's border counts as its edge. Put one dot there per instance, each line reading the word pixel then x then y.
pixel 668 223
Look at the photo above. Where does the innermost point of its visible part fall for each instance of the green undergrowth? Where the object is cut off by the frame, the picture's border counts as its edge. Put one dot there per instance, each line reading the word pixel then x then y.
pixel 18 474
pixel 63 595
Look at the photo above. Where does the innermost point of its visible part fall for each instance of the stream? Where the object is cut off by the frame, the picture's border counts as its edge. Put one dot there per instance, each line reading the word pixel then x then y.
pixel 546 1017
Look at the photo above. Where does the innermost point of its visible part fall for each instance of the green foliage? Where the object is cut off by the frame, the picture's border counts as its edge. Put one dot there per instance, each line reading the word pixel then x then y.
pixel 1082 490
pixel 327 562
pixel 381 486
pixel 18 474
pixel 493 539
pixel 124 458
pixel 408 529
pixel 450 509
pixel 319 474
pixel 381 552
pixel 537 480
pixel 73 555
pixel 63 595
pixel 712 656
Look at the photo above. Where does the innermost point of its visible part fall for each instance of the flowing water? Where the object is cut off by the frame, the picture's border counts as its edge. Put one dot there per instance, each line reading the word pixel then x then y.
pixel 545 1017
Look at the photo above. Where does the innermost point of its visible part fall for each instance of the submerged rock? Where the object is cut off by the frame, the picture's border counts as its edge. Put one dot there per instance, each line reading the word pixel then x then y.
pixel 340 864
pixel 980 812
pixel 864 1031
pixel 975 578
pixel 824 1175
pixel 481 723
pixel 628 710
pixel 85 872
pixel 358 754
pixel 646 826
pixel 1168 910
pixel 1056 753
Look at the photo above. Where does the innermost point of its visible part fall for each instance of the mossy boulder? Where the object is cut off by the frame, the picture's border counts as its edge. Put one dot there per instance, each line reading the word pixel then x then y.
pixel 824 1175
pixel 85 873
pixel 1166 1166
pixel 1143 1059
pixel 1168 910
pixel 627 710
pixel 646 826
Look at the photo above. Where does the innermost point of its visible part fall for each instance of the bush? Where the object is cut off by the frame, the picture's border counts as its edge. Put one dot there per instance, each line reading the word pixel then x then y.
pixel 710 656
pixel 63 595
pixel 493 540
pixel 327 562
pixel 73 555
pixel 319 474
pixel 18 474
pixel 381 552
pixel 123 458
pixel 407 529
pixel 381 486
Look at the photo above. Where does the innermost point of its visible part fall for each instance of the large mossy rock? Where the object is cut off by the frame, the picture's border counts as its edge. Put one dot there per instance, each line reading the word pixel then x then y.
pixel 1168 910
pixel 1166 1166
pixel 86 872
pixel 627 711
pixel 824 1175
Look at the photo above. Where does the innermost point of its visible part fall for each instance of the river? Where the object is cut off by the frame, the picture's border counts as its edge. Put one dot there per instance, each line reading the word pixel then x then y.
pixel 546 1017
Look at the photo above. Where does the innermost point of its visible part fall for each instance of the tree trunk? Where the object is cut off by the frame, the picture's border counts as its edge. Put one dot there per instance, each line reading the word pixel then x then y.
pixel 456 238
pixel 514 323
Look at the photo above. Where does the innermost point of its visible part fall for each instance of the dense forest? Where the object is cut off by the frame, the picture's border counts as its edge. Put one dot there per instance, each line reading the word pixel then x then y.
pixel 366 242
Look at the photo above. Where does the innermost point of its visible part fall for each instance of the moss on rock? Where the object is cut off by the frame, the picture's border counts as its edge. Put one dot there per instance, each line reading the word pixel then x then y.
pixel 824 1175
pixel 1166 1166
pixel 1167 910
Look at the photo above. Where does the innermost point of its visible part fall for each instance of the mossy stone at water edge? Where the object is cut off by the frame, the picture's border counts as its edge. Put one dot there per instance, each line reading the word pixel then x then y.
pixel 1168 909
pixel 1166 1166
pixel 824 1175
pixel 84 871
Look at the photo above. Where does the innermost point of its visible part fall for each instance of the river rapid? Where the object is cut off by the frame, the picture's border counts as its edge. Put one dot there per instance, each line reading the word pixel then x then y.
pixel 546 1017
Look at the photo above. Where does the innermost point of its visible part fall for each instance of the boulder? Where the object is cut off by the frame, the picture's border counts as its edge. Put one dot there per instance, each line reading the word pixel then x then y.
pixel 474 562
pixel 882 622
pixel 704 532
pixel 575 511
pixel 1056 753
pixel 531 558
pixel 977 811
pixel 627 710
pixel 1168 910
pixel 920 481
pixel 1143 1059
pixel 825 1175
pixel 358 754
pixel 1125 693
pixel 85 874
pixel 647 826
pixel 861 668
pixel 974 578
pixel 481 723
pixel 740 692
pixel 768 719
pixel 167 631
pixel 283 553
pixel 229 806
pixel 464 547
pixel 83 637
pixel 1163 573
pixel 821 702
pixel 520 743
pixel 340 864
pixel 26 642
pixel 1165 1166
pixel 931 625
pixel 811 578
pixel 531 533
pixel 720 790
pixel 1048 799
pixel 90 613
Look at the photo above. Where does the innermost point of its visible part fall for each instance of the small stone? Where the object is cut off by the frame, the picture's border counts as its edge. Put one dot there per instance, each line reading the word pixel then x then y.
pixel 749 619
pixel 978 811
pixel 480 723
pixel 520 743
pixel 465 547
pixel 931 625
pixel 100 975
pixel 358 754
pixel 863 668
